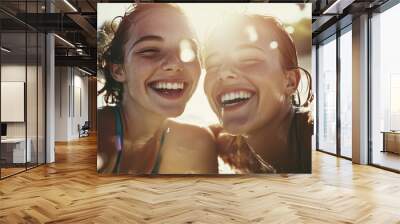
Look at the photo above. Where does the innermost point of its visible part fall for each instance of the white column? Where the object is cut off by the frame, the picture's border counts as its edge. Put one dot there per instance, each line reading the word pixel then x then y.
pixel 360 89
pixel 50 93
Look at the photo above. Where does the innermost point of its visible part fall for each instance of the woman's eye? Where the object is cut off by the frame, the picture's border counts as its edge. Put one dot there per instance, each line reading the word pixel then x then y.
pixel 250 61
pixel 149 52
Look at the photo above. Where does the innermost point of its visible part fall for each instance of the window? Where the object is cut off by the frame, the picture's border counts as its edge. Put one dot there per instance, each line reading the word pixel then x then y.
pixel 385 88
pixel 327 96
pixel 346 93
pixel 22 74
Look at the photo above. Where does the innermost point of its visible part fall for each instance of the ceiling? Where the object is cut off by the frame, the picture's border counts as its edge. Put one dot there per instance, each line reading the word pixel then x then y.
pixel 75 22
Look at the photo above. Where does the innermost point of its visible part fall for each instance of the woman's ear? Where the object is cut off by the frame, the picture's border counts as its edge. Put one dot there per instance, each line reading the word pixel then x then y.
pixel 292 81
pixel 118 72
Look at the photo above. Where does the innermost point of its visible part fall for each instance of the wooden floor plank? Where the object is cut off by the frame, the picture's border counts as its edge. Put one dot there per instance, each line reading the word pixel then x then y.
pixel 71 191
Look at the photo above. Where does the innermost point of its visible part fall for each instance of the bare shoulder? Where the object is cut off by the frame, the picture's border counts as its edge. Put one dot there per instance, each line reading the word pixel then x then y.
pixel 189 149
pixel 216 129
pixel 190 131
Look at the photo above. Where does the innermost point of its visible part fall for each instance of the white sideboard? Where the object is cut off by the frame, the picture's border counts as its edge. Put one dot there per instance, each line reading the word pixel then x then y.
pixel 17 145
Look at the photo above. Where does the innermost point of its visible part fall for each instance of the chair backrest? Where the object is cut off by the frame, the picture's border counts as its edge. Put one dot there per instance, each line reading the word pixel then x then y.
pixel 86 125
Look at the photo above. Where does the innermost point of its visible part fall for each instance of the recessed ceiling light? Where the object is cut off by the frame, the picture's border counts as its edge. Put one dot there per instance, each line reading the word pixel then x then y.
pixel 5 50
pixel 84 71
pixel 64 40
pixel 70 5
pixel 337 7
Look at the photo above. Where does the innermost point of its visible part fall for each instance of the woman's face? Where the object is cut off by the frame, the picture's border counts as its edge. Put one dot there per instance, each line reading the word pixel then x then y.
pixel 161 67
pixel 245 82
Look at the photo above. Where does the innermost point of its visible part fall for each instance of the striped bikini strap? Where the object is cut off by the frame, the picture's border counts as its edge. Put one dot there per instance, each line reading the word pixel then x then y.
pixel 156 167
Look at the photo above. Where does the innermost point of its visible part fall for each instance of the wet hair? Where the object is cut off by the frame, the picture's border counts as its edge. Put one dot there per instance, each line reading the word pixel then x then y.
pixel 114 52
pixel 286 48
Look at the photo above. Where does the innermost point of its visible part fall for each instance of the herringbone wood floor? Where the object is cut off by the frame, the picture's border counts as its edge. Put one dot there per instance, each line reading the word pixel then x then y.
pixel 70 191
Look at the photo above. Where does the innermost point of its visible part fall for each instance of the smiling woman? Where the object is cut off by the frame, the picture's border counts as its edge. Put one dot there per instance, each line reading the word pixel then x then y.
pixel 152 69
pixel 251 83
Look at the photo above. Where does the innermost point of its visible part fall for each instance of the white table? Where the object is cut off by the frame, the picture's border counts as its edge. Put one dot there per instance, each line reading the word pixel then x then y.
pixel 17 145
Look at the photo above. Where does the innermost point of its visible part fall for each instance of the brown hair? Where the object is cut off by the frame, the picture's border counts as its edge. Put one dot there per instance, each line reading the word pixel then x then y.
pixel 114 53
pixel 288 55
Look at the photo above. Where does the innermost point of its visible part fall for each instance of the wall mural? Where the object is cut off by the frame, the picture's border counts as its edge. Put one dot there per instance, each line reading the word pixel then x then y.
pixel 204 88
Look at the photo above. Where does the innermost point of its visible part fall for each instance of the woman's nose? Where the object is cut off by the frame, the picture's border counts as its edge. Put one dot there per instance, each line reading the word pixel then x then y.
pixel 172 63
pixel 227 72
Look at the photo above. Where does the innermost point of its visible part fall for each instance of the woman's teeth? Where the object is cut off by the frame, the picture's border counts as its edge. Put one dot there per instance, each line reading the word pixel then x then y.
pixel 168 85
pixel 234 97
pixel 168 89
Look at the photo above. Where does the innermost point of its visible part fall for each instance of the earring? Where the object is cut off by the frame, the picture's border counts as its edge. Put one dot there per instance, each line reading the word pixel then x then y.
pixel 295 102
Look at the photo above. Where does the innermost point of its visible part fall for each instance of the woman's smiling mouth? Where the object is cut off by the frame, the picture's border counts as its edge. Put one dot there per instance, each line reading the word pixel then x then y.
pixel 230 100
pixel 170 89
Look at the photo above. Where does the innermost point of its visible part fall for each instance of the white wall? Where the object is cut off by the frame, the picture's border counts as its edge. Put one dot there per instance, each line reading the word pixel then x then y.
pixel 34 125
pixel 61 103
pixel 16 73
pixel 12 73
pixel 71 94
pixel 79 112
